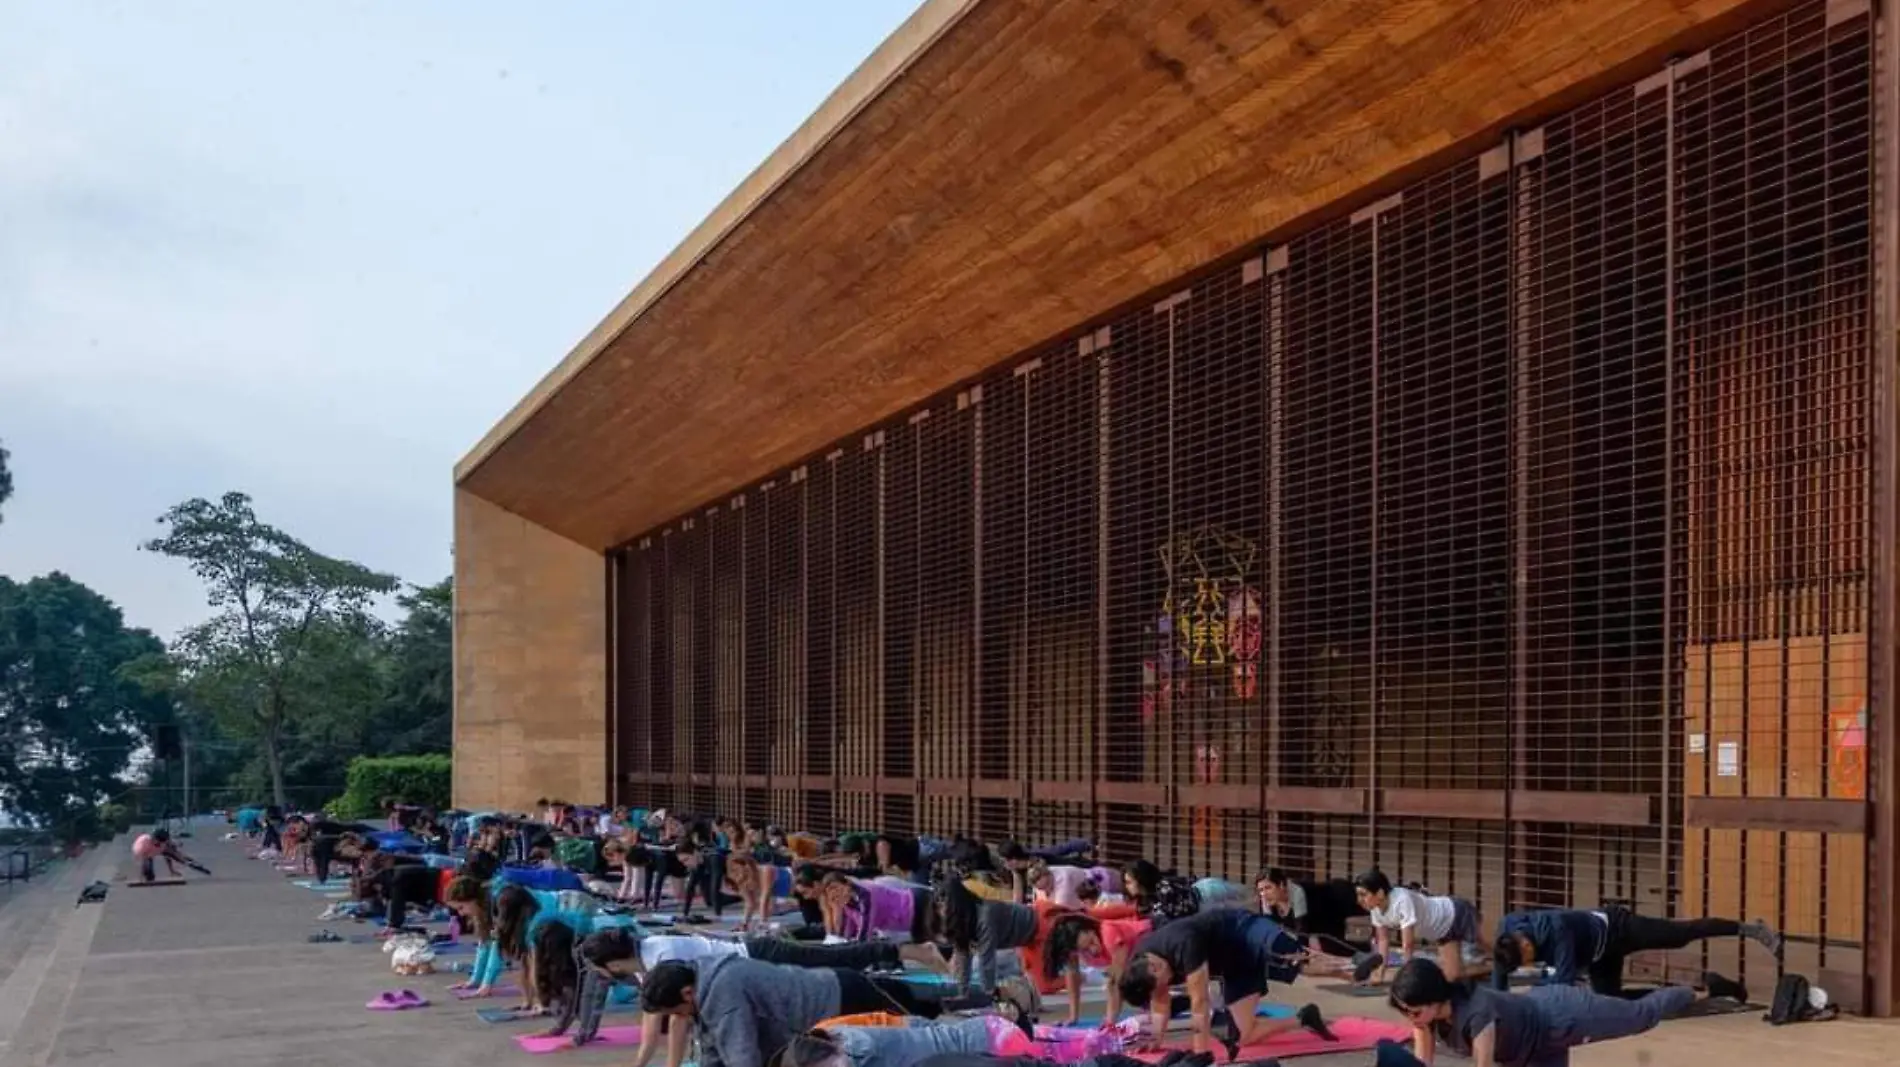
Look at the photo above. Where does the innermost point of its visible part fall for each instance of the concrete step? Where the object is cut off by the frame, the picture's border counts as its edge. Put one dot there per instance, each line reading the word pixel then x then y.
pixel 32 918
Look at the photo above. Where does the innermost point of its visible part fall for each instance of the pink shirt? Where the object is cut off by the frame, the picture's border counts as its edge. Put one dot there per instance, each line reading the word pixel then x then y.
pixel 145 848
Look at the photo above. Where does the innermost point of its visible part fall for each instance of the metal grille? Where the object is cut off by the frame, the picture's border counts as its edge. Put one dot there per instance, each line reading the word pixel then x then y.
pixel 1773 298
pixel 1512 533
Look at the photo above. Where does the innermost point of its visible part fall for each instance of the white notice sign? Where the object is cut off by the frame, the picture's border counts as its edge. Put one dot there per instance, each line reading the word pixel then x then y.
pixel 1698 744
pixel 1728 760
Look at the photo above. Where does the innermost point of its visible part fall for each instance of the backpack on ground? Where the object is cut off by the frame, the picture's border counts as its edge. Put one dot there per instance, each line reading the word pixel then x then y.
pixel 1797 1001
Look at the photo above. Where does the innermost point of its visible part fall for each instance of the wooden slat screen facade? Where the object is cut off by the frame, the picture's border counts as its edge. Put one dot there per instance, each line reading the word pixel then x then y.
pixel 1507 532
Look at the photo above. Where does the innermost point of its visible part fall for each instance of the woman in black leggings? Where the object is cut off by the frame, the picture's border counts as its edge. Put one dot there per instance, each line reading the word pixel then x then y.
pixel 405 888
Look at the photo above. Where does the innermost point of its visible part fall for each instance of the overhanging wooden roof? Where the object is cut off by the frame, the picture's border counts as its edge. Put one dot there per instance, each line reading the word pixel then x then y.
pixel 999 172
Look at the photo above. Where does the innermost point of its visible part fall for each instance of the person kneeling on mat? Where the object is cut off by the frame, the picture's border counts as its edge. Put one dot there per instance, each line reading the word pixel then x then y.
pixel 1243 949
pixel 1535 1029
pixel 159 845
pixel 1451 923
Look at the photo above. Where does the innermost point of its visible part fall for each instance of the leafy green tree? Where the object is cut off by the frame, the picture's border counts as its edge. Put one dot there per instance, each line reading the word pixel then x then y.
pixel 6 479
pixel 71 713
pixel 417 707
pixel 264 663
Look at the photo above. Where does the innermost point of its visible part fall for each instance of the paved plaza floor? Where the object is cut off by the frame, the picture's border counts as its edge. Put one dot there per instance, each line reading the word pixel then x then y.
pixel 218 972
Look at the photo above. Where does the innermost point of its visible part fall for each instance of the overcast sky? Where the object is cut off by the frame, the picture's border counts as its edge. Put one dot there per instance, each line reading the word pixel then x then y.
pixel 313 250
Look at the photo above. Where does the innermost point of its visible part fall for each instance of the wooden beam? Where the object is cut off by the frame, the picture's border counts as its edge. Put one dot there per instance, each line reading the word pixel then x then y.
pixel 1779 813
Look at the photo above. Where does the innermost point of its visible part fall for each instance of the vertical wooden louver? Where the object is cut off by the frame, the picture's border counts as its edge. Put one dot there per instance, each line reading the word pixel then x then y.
pixel 1512 532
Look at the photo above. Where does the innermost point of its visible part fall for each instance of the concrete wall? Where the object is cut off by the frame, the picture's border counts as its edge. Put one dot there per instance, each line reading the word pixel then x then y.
pixel 530 663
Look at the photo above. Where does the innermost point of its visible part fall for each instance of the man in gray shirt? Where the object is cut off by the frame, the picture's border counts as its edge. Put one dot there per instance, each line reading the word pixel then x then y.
pixel 743 1011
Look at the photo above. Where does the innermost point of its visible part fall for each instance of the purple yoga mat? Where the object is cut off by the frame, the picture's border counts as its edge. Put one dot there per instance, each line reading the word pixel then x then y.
pixel 607 1037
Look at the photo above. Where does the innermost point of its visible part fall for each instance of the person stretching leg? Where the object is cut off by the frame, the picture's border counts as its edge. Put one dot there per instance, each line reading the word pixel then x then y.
pixel 1536 1029
pixel 1566 940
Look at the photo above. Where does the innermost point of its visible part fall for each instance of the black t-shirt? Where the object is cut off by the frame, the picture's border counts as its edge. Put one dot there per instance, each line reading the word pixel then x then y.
pixel 811 911
pixel 325 826
pixel 413 883
pixel 1211 938
pixel 1519 1024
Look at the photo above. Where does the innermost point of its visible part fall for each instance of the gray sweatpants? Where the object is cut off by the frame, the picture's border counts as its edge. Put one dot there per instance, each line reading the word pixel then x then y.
pixel 1575 1016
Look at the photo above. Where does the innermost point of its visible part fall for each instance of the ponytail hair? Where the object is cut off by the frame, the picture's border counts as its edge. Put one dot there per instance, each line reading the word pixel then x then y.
pixel 556 978
pixel 515 908
pixel 954 913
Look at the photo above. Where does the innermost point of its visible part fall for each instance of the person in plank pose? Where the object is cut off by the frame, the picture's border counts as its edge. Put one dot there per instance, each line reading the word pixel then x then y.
pixel 1568 941
pixel 1535 1029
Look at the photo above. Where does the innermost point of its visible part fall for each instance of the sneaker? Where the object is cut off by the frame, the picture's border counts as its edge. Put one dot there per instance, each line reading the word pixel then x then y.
pixel 1726 988
pixel 1227 1032
pixel 1364 964
pixel 1762 934
pixel 1310 1018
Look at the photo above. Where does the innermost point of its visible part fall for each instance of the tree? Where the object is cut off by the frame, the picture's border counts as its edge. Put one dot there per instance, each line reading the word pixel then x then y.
pixel 71 713
pixel 6 479
pixel 260 663
pixel 416 712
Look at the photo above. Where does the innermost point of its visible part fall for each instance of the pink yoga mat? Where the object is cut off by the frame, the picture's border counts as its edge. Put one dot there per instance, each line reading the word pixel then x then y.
pixel 1355 1035
pixel 607 1037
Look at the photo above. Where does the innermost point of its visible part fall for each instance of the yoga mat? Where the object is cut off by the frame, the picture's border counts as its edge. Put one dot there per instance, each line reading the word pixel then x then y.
pixel 926 978
pixel 1264 1011
pixel 497 991
pixel 498 1015
pixel 1706 1008
pixel 606 1037
pixel 1355 1035
pixel 149 885
pixel 1347 989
